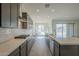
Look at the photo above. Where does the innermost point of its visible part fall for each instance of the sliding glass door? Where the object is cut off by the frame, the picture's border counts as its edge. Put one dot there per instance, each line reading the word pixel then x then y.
pixel 61 30
pixel 64 30
pixel 70 30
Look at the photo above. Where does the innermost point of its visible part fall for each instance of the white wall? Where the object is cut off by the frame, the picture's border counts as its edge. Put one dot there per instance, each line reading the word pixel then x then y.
pixel 54 22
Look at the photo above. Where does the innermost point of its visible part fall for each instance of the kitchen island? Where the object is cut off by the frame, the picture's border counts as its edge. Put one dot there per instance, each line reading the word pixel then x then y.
pixel 66 46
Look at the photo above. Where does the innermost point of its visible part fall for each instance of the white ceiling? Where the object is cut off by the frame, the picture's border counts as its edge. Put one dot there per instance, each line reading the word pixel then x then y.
pixel 61 11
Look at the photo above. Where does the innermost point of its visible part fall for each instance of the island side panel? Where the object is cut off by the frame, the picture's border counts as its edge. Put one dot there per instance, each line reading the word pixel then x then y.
pixel 56 49
pixel 69 50
pixel 65 50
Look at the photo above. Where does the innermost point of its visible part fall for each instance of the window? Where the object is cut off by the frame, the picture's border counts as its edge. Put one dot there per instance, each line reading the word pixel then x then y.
pixel 64 30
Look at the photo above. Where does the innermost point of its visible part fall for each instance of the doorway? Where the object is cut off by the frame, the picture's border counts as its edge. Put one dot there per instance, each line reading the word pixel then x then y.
pixel 41 28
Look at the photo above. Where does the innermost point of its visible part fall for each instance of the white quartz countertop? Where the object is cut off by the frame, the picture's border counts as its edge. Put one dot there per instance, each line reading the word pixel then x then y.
pixel 10 45
pixel 66 41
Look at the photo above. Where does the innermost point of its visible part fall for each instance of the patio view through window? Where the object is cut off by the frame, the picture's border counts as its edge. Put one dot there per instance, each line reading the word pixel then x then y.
pixel 64 30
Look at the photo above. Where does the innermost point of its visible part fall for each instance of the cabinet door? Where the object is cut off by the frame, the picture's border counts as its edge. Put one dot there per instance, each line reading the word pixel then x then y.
pixel 69 50
pixel 0 14
pixel 5 8
pixel 15 52
pixel 30 44
pixel 23 49
pixel 56 49
pixel 52 47
pixel 14 14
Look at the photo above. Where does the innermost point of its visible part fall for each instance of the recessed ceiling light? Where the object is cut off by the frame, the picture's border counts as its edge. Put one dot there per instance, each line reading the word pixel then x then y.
pixel 53 10
pixel 38 16
pixel 65 16
pixel 48 16
pixel 37 10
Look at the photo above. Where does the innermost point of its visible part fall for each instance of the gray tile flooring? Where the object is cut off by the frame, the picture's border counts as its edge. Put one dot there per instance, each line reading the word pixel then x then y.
pixel 40 47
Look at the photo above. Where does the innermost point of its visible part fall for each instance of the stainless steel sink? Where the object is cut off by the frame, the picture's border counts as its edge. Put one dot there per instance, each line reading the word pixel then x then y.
pixel 21 36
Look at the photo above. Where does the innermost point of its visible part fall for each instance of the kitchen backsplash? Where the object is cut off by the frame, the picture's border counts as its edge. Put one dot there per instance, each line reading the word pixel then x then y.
pixel 7 33
pixel 14 31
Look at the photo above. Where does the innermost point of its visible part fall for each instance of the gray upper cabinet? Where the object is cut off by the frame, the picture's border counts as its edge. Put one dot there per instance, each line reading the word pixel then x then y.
pixel 14 15
pixel 5 15
pixel 9 15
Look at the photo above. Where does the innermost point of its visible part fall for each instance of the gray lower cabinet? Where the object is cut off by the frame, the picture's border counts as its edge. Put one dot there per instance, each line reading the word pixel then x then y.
pixel 65 50
pixel 30 43
pixel 50 44
pixel 20 51
pixel 56 49
pixel 51 47
pixel 15 52
pixel 69 50
pixel 23 49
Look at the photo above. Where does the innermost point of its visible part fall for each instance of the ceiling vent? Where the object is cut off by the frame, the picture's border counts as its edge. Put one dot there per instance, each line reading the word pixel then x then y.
pixel 47 5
